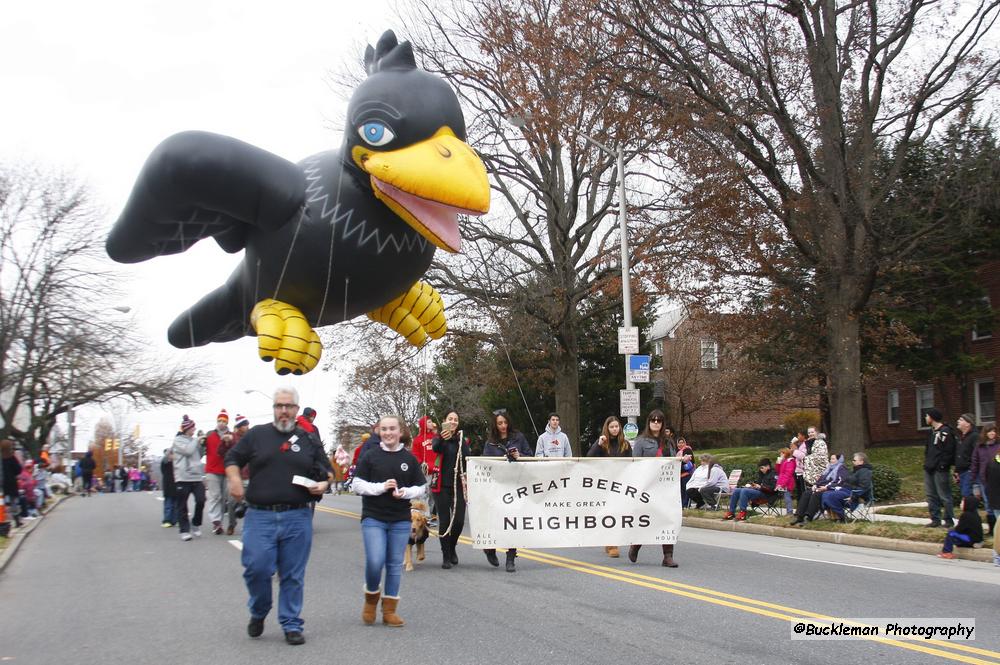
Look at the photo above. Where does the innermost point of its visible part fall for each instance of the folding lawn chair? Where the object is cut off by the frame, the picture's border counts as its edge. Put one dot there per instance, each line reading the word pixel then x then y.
pixel 770 505
pixel 723 496
pixel 858 507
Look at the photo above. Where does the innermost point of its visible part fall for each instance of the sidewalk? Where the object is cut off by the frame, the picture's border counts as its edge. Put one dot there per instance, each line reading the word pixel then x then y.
pixel 879 517
pixel 983 554
pixel 18 535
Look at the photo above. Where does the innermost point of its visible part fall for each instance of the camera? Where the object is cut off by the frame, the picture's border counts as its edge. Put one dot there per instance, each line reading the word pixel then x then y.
pixel 241 510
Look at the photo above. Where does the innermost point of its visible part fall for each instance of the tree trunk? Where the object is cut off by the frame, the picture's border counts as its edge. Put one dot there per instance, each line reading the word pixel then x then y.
pixel 847 427
pixel 567 389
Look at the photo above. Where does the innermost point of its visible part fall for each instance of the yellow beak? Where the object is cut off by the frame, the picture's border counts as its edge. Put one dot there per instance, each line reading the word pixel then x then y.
pixel 428 184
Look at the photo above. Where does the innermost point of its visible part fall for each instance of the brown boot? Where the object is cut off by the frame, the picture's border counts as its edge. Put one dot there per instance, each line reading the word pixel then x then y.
pixel 389 616
pixel 612 552
pixel 371 604
pixel 668 556
pixel 633 552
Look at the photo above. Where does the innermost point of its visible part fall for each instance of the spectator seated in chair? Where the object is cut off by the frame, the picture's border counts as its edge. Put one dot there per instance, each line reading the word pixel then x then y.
pixel 764 488
pixel 969 530
pixel 706 483
pixel 856 484
pixel 810 502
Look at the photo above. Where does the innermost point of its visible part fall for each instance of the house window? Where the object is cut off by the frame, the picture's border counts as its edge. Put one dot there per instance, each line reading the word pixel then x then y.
pixel 925 401
pixel 986 405
pixel 982 334
pixel 709 354
pixel 893 403
pixel 658 347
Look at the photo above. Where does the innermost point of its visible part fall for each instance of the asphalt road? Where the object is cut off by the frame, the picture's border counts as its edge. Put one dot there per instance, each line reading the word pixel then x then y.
pixel 99 581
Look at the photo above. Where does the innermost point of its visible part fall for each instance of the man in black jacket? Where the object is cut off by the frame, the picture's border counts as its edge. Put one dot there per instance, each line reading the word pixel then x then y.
pixel 939 455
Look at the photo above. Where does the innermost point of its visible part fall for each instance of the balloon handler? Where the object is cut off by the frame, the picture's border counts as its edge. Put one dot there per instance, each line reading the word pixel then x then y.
pixel 342 233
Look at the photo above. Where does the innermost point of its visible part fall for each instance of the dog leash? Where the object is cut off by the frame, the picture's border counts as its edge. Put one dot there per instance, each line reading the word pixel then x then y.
pixel 454 486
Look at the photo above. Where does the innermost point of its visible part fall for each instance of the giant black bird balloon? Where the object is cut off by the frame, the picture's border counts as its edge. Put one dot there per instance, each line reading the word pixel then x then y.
pixel 342 233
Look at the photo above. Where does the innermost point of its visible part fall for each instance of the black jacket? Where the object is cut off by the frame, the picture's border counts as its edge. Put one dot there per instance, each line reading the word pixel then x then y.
pixel 168 485
pixel 767 481
pixel 448 449
pixel 964 450
pixel 939 453
pixel 992 475
pixel 861 479
pixel 969 523
pixel 597 451
pixel 513 440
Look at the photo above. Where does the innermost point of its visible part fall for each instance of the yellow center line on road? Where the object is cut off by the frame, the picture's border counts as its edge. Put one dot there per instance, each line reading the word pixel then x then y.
pixel 753 606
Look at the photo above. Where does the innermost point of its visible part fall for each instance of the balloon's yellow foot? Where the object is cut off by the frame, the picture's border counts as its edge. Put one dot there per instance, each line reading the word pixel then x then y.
pixel 285 336
pixel 417 315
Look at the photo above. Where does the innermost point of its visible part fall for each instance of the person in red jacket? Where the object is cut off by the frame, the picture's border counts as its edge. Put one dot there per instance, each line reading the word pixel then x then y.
pixel 305 421
pixel 423 450
pixel 217 443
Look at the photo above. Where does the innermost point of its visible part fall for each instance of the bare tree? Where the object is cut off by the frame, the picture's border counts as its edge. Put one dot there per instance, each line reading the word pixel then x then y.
pixel 795 123
pixel 58 346
pixel 389 380
pixel 552 239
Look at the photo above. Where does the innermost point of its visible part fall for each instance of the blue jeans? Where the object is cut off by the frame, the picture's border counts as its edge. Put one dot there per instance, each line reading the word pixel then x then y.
pixel 385 543
pixel 955 538
pixel 834 500
pixel 170 509
pixel 743 496
pixel 965 482
pixel 277 542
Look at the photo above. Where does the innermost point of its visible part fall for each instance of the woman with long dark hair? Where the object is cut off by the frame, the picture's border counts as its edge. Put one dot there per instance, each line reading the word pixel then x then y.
pixel 653 439
pixel 451 452
pixel 611 443
pixel 653 442
pixel 505 441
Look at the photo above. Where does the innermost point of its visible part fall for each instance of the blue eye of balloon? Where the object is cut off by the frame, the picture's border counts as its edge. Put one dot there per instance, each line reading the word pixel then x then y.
pixel 375 133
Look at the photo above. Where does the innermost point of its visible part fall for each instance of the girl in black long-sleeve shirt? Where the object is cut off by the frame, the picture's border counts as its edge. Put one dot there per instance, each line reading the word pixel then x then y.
pixel 451 449
pixel 505 441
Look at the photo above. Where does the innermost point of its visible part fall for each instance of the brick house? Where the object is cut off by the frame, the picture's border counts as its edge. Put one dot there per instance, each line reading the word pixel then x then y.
pixel 897 403
pixel 690 372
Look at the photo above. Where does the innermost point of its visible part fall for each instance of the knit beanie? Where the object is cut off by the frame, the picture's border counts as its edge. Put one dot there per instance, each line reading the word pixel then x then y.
pixel 186 423
pixel 223 416
pixel 241 421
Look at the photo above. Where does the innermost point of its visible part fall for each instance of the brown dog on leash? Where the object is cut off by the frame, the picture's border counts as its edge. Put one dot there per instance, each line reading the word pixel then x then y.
pixel 418 533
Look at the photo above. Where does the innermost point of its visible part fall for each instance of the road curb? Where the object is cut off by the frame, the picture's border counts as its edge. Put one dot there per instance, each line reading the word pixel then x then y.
pixel 15 539
pixel 984 553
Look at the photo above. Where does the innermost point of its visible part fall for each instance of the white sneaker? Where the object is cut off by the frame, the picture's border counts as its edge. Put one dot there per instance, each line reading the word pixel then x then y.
pixel 185 536
pixel 196 532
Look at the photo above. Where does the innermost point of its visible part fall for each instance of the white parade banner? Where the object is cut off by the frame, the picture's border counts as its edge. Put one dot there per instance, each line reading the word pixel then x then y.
pixel 573 502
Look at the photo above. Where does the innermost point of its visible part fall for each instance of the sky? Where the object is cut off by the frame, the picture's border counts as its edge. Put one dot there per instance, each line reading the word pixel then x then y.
pixel 94 87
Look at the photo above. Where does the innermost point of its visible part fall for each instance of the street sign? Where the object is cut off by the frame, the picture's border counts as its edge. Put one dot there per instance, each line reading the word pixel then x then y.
pixel 638 369
pixel 629 402
pixel 631 431
pixel 628 340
